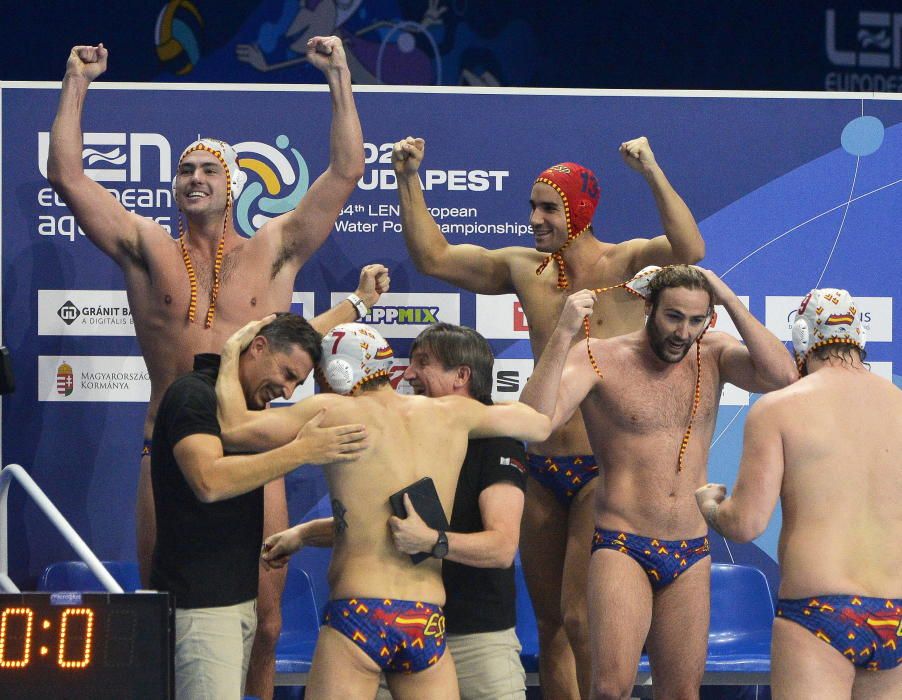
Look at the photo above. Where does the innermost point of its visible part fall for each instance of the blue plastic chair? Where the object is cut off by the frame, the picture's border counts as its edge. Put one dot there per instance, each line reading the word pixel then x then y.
pixel 76 576
pixel 742 616
pixel 300 624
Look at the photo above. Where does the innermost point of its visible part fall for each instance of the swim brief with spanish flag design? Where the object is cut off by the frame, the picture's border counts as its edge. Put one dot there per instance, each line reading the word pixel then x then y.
pixel 399 635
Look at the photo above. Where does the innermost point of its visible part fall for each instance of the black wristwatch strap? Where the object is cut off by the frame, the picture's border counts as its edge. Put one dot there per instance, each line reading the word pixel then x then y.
pixel 440 548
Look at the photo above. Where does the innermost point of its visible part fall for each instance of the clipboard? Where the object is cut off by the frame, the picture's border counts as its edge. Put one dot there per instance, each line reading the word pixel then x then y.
pixel 426 503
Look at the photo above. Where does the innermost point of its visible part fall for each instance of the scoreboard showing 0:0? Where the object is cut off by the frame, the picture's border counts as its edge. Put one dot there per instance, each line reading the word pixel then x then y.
pixel 91 645
pixel 73 638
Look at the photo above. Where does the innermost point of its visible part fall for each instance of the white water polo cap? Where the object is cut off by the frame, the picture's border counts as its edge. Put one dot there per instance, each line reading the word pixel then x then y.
pixel 826 317
pixel 354 354
pixel 639 282
pixel 227 155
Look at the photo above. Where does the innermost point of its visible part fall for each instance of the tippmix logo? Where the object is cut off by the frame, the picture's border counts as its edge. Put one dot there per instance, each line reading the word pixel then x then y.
pixel 405 315
pixel 282 179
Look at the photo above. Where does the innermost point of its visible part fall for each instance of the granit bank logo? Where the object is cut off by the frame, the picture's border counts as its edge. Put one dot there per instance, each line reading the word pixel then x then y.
pixel 866 48
pixel 84 312
pixel 406 315
pixel 68 312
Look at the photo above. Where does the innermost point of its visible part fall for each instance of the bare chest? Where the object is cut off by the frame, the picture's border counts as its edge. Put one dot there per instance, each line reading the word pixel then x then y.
pixel 247 289
pixel 633 399
pixel 616 312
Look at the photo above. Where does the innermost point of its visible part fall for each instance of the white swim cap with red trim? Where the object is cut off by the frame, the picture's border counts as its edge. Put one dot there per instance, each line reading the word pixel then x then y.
pixel 354 354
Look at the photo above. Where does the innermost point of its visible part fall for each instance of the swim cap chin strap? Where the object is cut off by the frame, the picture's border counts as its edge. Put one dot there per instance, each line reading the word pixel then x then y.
pixel 579 190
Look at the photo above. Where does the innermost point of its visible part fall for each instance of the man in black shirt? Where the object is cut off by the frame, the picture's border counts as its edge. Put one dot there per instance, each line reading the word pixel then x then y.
pixel 484 531
pixel 209 507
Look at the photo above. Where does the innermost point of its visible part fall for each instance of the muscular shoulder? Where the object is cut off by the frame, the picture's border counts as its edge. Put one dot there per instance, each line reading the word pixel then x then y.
pixel 338 408
pixel 151 243
pixel 624 255
pixel 520 259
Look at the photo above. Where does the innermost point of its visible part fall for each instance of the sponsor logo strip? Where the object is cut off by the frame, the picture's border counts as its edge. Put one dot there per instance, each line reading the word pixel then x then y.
pixel 84 312
pixel 405 315
pixel 119 378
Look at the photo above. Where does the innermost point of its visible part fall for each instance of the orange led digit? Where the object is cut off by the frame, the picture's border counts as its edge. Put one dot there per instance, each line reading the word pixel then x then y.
pixel 7 613
pixel 62 659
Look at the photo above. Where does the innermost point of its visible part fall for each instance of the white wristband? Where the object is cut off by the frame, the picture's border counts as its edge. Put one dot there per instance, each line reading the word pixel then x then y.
pixel 358 304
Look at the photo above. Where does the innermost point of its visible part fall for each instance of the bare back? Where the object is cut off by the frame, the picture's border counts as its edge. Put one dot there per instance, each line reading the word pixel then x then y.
pixel 616 312
pixel 842 485
pixel 636 417
pixel 253 284
pixel 410 437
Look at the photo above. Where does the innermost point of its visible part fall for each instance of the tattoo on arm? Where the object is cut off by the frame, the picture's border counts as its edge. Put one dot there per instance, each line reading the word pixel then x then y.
pixel 338 513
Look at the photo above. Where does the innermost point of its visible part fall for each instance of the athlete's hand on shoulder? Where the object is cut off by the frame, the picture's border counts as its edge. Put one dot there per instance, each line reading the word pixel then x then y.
pixel 241 338
pixel 319 445
pixel 407 155
pixel 578 305
pixel 411 534
pixel 374 282
pixel 278 548
pixel 87 62
pixel 638 155
pixel 326 52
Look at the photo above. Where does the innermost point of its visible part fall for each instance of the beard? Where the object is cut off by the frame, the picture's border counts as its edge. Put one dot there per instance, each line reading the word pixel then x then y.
pixel 666 348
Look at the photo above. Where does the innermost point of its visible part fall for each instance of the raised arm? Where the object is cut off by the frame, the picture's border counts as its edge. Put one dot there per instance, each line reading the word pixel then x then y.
pixel 374 282
pixel 762 364
pixel 559 382
pixel 745 515
pixel 469 266
pixel 303 230
pixel 682 241
pixel 106 223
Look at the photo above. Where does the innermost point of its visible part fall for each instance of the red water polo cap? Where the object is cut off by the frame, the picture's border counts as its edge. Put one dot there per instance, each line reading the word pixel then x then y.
pixel 579 189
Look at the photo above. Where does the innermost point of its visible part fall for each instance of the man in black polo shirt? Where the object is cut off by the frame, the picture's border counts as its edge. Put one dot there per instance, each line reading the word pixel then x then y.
pixel 484 531
pixel 209 507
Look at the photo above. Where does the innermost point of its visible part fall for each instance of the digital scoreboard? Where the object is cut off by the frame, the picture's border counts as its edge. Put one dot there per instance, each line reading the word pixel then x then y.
pixel 86 645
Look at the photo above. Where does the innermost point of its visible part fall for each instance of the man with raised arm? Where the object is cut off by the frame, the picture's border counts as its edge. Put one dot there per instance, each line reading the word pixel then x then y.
pixel 385 613
pixel 828 447
pixel 188 295
pixel 650 406
pixel 567 256
pixel 209 504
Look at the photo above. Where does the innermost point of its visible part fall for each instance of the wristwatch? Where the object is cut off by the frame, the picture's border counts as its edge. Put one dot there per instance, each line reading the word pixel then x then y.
pixel 359 305
pixel 440 548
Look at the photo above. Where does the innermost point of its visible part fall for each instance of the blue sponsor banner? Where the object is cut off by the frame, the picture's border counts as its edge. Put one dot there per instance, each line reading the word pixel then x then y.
pixel 791 192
